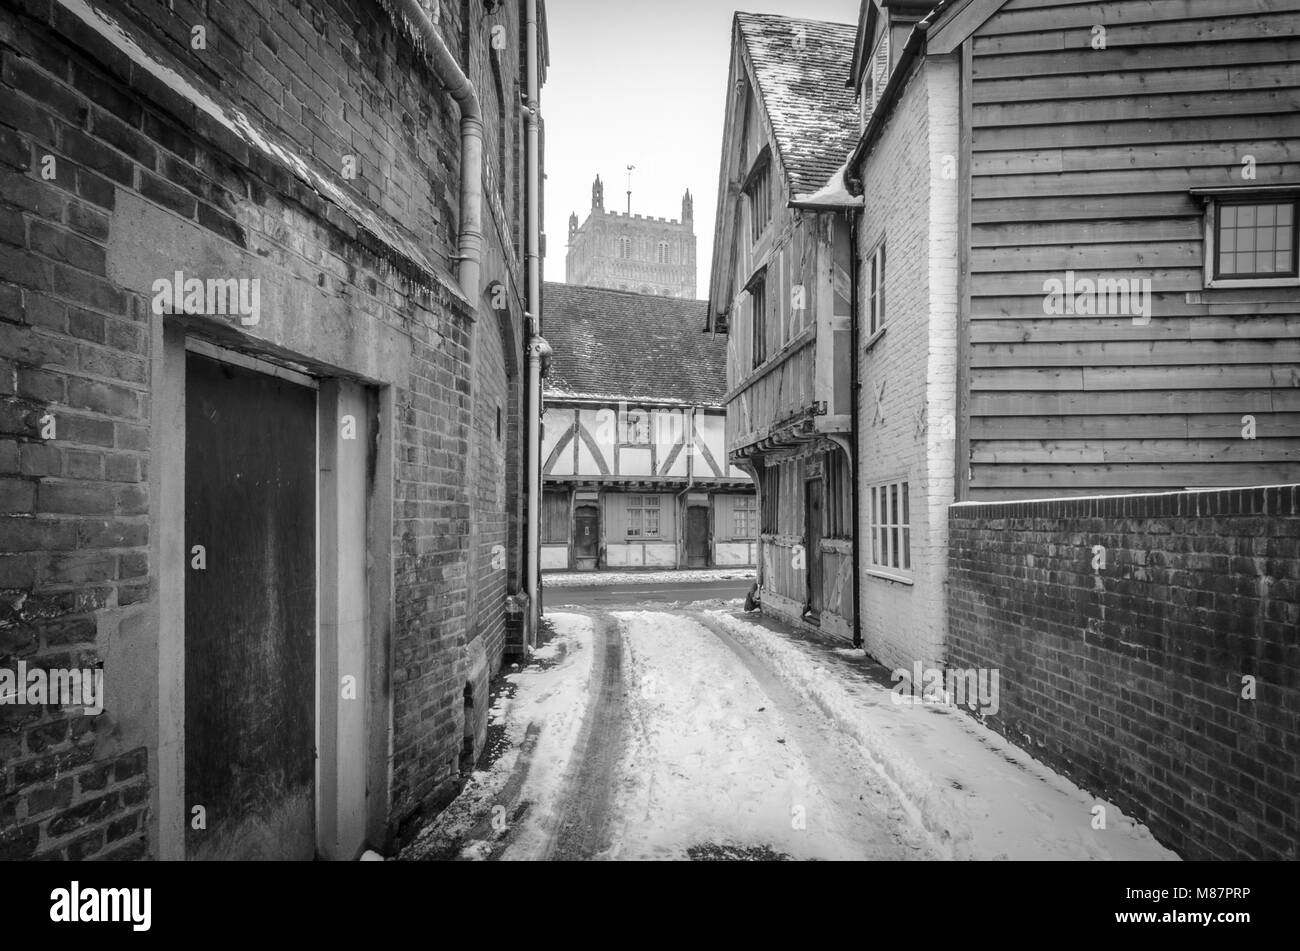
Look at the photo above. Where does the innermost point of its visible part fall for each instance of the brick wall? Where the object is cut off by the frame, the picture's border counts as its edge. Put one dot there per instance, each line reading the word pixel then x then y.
pixel 1128 677
pixel 347 261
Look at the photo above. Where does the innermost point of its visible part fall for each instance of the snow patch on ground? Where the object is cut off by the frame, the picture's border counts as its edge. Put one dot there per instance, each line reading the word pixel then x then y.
pixel 585 579
pixel 549 696
pixel 712 760
pixel 989 799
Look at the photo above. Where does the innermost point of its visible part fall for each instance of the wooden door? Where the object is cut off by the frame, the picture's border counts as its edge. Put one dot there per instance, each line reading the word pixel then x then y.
pixel 250 614
pixel 813 535
pixel 697 537
pixel 586 533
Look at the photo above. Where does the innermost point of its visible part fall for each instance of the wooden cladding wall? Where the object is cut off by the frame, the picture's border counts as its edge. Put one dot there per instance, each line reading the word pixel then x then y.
pixel 1081 159
pixel 784 392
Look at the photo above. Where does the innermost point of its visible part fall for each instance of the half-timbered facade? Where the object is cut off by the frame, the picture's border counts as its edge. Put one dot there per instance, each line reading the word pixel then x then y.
pixel 634 459
pixel 781 291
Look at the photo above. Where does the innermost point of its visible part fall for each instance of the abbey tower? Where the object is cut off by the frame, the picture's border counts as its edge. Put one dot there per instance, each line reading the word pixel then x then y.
pixel 633 252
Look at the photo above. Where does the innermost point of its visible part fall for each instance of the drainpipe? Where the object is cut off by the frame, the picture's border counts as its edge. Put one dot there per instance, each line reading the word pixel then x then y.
pixel 470 240
pixel 539 351
pixel 856 456
pixel 539 357
pixel 689 436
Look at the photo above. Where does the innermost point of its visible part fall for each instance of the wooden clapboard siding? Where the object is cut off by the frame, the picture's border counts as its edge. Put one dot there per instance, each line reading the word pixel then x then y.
pixel 1277 331
pixel 1244 304
pixel 1124 353
pixel 1127 449
pixel 1082 160
pixel 1132 427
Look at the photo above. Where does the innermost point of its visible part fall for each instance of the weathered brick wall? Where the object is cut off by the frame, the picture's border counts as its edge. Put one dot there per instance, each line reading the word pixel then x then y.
pixel 1128 677
pixel 79 573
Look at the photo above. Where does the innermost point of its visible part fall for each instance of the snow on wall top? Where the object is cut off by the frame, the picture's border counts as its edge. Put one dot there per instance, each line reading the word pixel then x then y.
pixel 801 67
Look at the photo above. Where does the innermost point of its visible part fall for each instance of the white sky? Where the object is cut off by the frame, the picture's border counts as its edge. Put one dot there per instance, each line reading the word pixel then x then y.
pixel 643 83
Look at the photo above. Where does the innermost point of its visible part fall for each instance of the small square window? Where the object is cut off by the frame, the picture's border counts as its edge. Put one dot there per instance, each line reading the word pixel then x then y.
pixel 1253 240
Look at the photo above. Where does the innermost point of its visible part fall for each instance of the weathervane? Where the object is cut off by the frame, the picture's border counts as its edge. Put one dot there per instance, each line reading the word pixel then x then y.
pixel 629 189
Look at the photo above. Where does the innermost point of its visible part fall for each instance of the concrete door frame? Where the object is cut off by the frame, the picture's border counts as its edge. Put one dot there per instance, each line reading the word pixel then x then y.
pixel 363 534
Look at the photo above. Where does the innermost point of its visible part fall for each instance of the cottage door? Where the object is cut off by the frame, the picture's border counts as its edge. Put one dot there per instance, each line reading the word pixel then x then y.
pixel 250 614
pixel 586 536
pixel 813 534
pixel 697 537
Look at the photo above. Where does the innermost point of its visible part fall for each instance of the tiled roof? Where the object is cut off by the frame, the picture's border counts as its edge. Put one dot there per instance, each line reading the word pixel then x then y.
pixel 623 346
pixel 801 67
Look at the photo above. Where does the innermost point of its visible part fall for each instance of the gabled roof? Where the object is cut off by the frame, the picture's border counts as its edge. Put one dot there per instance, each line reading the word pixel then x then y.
pixel 800 67
pixel 618 345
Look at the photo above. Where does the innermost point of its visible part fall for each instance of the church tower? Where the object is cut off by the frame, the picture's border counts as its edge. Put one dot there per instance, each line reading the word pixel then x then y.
pixel 633 252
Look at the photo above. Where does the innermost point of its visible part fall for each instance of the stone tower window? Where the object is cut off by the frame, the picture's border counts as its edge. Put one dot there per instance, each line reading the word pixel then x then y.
pixel 664 256
pixel 624 247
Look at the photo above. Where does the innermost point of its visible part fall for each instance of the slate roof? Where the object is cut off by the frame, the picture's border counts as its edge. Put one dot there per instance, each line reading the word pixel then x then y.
pixel 814 115
pixel 619 345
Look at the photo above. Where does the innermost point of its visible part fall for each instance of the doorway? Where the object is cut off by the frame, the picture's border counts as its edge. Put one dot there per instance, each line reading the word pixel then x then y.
pixel 586 537
pixel 250 614
pixel 697 537
pixel 813 534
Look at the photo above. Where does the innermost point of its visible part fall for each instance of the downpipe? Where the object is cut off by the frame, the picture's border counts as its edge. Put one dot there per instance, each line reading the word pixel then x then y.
pixel 538 350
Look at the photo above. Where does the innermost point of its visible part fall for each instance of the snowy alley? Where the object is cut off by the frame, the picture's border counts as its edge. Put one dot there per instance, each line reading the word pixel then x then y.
pixel 701 732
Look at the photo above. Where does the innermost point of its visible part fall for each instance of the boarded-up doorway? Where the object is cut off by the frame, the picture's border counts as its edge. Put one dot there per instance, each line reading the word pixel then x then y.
pixel 250 613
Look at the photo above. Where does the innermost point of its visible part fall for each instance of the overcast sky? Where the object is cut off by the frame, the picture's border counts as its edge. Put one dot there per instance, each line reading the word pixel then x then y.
pixel 642 82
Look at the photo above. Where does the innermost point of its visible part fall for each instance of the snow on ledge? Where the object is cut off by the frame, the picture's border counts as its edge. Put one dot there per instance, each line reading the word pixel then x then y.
pixel 834 192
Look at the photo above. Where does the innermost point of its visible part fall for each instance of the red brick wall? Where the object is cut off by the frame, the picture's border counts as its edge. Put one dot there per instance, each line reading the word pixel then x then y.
pixel 1128 677
pixel 77 570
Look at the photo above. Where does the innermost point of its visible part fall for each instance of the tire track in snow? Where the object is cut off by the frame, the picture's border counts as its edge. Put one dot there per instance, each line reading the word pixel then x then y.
pixel 582 830
pixel 889 798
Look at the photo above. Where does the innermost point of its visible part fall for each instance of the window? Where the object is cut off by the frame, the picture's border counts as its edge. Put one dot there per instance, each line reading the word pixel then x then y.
pixel 1255 240
pixel 769 489
pixel 758 309
pixel 744 517
pixel 839 497
pixel 624 247
pixel 664 253
pixel 874 78
pixel 758 189
pixel 643 516
pixel 636 428
pixel 891 529
pixel 876 291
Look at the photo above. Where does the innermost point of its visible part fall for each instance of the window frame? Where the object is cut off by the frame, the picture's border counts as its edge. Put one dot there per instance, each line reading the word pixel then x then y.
pixel 757 291
pixel 1217 198
pixel 875 291
pixel 757 189
pixel 746 505
pixel 887 539
pixel 637 509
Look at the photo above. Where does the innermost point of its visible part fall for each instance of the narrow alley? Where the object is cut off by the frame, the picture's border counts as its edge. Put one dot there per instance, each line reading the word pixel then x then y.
pixel 695 731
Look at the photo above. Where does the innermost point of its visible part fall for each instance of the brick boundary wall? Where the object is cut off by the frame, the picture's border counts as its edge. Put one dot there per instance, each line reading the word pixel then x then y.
pixel 1128 678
